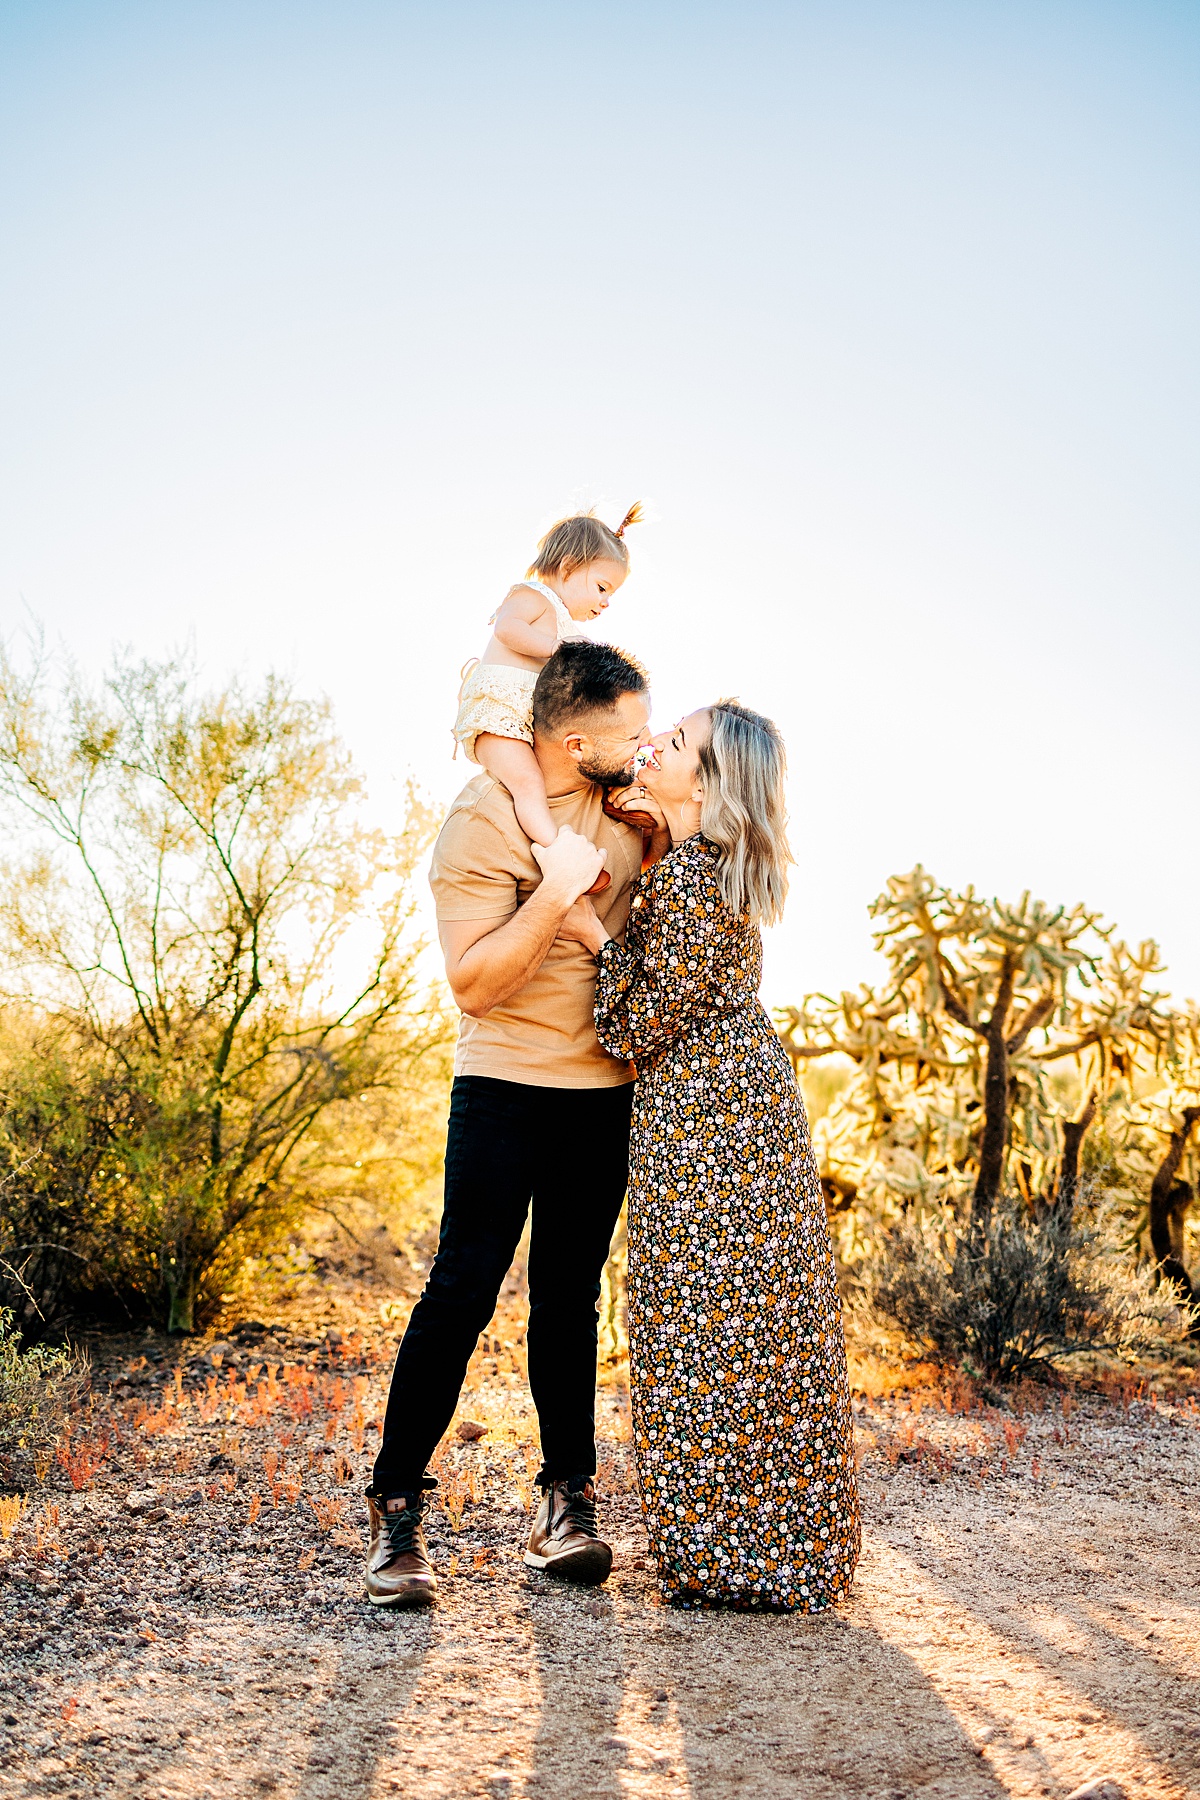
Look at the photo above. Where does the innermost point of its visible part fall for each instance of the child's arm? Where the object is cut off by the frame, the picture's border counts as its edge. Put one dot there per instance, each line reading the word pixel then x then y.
pixel 525 624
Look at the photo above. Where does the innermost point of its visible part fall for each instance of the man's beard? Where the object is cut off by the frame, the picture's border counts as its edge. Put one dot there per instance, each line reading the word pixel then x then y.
pixel 608 777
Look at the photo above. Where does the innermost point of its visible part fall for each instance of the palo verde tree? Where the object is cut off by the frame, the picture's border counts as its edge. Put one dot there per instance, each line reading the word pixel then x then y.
pixel 217 953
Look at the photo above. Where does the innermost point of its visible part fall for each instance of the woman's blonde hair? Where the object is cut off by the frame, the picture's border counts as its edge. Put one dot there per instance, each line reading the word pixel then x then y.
pixel 573 543
pixel 742 767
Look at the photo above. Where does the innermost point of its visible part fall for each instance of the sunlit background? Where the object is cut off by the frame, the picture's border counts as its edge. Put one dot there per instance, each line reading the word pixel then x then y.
pixel 314 317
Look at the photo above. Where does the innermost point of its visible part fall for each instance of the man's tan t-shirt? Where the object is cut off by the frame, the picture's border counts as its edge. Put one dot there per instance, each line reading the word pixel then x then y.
pixel 483 868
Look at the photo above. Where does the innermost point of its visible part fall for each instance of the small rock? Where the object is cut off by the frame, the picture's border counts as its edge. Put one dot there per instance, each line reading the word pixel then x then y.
pixel 1100 1787
pixel 595 1609
pixel 137 1500
pixel 633 1745
pixel 470 1430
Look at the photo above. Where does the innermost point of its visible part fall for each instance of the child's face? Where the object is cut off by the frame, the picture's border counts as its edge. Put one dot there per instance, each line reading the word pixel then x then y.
pixel 587 591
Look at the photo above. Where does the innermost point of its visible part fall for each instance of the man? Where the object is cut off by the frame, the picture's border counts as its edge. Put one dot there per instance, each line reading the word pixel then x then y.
pixel 539 1114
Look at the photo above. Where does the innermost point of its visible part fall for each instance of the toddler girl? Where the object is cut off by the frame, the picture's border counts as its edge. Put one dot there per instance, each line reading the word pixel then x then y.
pixel 579 566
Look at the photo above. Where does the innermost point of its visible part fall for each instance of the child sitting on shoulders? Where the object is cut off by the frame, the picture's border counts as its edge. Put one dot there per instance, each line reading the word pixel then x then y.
pixel 579 566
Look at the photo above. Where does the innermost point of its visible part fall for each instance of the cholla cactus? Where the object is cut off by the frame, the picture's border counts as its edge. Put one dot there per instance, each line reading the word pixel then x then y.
pixel 953 1094
pixel 1152 1121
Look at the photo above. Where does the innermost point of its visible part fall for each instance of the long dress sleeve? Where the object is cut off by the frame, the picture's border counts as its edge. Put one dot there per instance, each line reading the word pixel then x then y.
pixel 674 963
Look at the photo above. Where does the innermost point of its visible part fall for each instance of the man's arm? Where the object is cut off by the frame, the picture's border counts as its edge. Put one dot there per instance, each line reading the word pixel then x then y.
pixel 485 963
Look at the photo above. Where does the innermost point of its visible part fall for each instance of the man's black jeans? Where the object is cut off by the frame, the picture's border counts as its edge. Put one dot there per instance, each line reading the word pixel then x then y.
pixel 567 1151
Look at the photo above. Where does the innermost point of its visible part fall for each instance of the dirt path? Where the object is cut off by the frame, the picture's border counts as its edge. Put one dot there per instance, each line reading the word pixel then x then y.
pixel 1025 1614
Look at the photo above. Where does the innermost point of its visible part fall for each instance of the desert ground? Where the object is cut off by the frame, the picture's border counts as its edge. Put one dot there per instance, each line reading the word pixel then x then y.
pixel 183 1615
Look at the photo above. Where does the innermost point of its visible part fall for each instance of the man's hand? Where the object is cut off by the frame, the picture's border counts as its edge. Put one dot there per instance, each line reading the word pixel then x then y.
pixel 569 865
pixel 581 926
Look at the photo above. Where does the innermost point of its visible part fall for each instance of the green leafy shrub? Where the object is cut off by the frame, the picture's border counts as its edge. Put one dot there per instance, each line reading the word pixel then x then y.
pixel 37 1386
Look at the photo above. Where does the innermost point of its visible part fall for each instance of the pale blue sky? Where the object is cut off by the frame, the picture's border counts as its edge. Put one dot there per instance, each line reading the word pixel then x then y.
pixel 314 316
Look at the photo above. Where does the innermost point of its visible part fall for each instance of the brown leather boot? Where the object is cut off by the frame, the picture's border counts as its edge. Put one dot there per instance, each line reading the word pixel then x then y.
pixel 398 1567
pixel 564 1541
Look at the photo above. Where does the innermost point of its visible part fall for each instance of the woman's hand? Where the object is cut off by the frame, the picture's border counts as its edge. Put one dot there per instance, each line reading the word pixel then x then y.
pixel 581 926
pixel 636 807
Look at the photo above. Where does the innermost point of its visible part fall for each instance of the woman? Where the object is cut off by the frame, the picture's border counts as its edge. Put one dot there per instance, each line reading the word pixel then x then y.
pixel 741 1408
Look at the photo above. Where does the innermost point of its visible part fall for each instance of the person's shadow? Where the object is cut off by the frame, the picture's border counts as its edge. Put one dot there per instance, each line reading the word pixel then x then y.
pixel 354 1732
pixel 637 1698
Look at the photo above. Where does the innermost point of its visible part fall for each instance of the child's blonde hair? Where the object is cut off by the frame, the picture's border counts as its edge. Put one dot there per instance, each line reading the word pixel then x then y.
pixel 573 543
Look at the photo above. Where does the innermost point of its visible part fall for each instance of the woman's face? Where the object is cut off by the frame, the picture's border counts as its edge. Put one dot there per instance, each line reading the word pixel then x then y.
pixel 673 777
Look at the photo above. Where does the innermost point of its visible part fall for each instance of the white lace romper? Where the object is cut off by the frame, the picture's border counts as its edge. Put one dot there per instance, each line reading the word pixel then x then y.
pixel 499 699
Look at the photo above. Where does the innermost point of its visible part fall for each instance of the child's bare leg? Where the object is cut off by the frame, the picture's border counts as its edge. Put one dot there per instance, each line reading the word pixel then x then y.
pixel 511 760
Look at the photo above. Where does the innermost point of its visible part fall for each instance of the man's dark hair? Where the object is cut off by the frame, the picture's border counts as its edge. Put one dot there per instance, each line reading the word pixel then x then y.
pixel 582 679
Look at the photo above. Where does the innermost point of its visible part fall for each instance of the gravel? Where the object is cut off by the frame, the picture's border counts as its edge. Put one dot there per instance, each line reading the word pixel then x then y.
pixel 1024 1622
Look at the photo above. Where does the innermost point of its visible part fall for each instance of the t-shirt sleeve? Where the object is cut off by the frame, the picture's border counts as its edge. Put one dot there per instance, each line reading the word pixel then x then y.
pixel 473 873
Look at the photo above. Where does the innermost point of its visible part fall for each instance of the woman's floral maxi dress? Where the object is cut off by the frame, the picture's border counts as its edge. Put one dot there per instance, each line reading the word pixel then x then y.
pixel 741 1407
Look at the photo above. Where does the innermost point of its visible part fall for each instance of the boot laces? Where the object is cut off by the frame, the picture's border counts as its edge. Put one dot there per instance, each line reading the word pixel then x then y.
pixel 578 1511
pixel 401 1529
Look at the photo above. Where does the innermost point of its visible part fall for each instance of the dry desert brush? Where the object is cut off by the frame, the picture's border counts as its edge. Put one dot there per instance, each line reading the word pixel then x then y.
pixel 213 980
pixel 1018 1295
